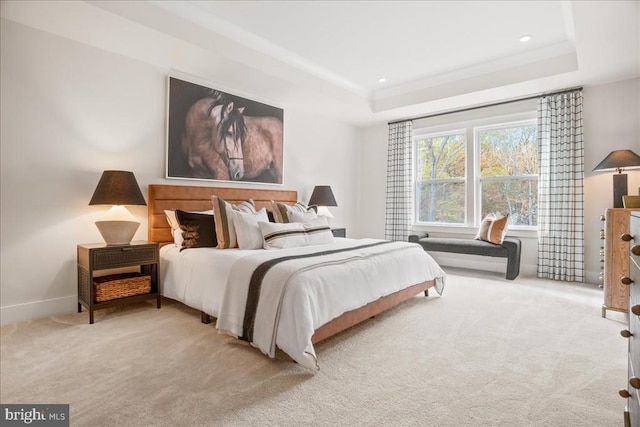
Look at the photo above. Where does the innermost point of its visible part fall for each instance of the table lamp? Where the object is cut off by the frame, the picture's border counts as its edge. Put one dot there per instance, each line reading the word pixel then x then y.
pixel 322 197
pixel 117 189
pixel 619 160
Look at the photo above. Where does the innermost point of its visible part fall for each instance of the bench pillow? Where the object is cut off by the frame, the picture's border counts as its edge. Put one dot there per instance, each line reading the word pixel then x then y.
pixel 493 229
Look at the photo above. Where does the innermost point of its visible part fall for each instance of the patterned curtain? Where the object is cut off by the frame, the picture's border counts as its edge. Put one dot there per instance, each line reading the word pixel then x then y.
pixel 399 203
pixel 560 189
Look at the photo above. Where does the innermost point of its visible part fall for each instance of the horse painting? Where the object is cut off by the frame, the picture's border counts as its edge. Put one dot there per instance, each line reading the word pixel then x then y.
pixel 212 139
pixel 262 148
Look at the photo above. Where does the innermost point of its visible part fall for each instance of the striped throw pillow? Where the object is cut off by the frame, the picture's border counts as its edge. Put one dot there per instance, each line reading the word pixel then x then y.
pixel 281 210
pixel 295 234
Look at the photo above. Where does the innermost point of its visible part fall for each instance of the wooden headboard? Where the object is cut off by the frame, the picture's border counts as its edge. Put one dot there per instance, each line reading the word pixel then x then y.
pixel 190 198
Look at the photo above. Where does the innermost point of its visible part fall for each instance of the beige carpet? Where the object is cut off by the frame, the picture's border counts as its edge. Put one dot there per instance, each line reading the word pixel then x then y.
pixel 489 352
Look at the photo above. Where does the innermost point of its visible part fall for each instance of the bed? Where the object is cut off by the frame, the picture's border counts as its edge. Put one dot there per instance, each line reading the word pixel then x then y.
pixel 325 288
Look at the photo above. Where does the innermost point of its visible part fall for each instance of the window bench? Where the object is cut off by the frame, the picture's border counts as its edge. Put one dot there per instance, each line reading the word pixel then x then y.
pixel 510 249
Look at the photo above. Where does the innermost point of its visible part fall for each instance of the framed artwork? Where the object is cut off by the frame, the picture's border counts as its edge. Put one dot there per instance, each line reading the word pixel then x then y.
pixel 215 135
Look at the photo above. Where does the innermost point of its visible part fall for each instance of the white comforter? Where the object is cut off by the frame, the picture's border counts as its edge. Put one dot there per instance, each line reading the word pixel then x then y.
pixel 300 295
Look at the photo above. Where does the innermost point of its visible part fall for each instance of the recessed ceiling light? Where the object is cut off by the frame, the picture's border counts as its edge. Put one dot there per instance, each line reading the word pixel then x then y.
pixel 382 80
pixel 525 38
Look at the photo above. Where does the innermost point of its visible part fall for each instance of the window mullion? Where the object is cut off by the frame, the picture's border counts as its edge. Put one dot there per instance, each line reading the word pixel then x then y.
pixel 473 208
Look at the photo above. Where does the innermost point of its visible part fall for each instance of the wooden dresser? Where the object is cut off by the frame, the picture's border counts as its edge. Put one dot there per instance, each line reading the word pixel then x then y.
pixel 616 259
pixel 632 281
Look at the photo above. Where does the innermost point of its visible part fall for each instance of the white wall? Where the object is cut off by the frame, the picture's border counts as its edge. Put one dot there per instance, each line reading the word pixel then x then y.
pixel 611 122
pixel 70 110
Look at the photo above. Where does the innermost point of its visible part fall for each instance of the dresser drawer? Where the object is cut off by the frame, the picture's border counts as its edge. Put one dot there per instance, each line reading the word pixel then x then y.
pixel 634 344
pixel 124 256
pixel 633 402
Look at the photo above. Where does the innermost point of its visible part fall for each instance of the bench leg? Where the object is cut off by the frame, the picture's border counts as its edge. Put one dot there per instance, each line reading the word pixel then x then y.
pixel 205 318
pixel 513 268
pixel 426 292
pixel 513 264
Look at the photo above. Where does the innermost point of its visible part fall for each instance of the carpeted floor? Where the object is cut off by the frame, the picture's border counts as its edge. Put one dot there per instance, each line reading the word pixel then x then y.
pixel 489 352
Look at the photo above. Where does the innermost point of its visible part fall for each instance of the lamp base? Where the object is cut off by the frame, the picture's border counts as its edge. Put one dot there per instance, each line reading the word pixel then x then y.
pixel 619 189
pixel 117 232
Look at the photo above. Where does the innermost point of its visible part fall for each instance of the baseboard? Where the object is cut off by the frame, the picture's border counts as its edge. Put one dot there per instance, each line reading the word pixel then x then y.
pixel 498 265
pixel 37 310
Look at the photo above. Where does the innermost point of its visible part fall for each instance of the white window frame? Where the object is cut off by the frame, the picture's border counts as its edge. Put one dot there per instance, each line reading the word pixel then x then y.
pixel 478 179
pixel 464 180
pixel 473 203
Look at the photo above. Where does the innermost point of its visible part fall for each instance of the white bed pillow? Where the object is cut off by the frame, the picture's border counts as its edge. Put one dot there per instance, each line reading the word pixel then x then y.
pixel 223 218
pixel 318 231
pixel 170 214
pixel 177 237
pixel 248 232
pixel 307 216
pixel 295 234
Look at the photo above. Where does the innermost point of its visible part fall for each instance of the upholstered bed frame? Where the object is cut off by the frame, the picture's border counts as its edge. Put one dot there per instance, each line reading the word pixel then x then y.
pixel 192 198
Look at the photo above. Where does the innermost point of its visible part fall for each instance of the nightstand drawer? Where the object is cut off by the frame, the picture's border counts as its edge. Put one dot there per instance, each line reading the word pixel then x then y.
pixel 124 256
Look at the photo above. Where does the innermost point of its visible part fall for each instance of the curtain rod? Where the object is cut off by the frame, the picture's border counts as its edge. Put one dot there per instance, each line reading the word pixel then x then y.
pixel 494 104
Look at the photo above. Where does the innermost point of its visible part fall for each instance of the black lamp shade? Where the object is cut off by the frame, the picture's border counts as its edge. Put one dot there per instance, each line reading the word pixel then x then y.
pixel 619 160
pixel 322 196
pixel 117 188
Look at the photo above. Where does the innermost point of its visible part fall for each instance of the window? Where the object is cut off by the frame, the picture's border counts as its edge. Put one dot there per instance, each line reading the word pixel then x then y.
pixel 509 171
pixel 441 179
pixel 487 166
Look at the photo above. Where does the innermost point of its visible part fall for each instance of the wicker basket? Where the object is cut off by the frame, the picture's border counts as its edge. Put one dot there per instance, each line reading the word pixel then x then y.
pixel 122 285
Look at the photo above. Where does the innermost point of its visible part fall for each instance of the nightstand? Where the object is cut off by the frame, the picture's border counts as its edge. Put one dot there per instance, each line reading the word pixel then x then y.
pixel 339 232
pixel 98 292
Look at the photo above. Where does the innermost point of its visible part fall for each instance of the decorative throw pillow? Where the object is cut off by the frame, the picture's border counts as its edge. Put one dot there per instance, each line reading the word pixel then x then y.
pixel 294 234
pixel 197 230
pixel 223 217
pixel 170 215
pixel 493 228
pixel 281 210
pixel 282 235
pixel 307 216
pixel 248 232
